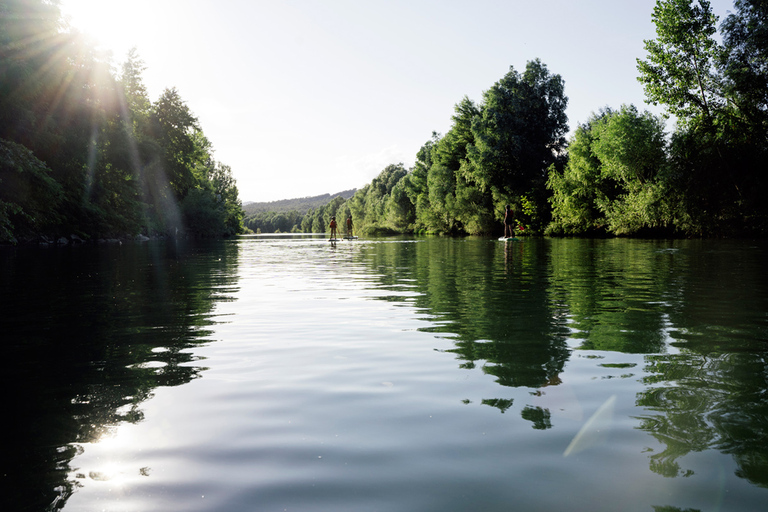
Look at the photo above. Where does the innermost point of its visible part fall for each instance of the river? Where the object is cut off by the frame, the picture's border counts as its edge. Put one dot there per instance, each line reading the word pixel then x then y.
pixel 287 373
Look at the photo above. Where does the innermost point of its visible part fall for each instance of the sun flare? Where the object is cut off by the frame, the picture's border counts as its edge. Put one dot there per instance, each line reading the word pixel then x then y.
pixel 114 25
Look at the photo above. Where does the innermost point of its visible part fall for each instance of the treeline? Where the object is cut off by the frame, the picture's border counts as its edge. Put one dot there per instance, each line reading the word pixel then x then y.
pixel 621 173
pixel 316 220
pixel 288 215
pixel 709 176
pixel 83 150
pixel 300 204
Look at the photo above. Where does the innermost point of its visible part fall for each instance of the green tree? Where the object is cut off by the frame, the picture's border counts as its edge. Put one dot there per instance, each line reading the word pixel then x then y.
pixel 745 63
pixel 415 184
pixel 28 193
pixel 615 178
pixel 574 190
pixel 134 91
pixel 372 205
pixel 680 70
pixel 448 155
pixel 631 150
pixel 745 66
pixel 400 211
pixel 176 129
pixel 121 164
pixel 718 154
pixel 518 135
pixel 29 40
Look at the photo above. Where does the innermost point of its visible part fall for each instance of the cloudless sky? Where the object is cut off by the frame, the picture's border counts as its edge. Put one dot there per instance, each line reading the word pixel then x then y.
pixel 302 97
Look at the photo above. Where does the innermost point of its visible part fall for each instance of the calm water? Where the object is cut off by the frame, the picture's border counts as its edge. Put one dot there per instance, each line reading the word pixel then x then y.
pixel 284 373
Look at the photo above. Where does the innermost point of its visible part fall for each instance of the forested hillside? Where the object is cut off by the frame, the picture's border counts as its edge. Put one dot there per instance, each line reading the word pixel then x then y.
pixel 85 152
pixel 299 204
pixel 286 215
pixel 623 172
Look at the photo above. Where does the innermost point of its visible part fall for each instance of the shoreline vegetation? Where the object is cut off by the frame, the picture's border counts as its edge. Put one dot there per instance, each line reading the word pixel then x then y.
pixel 86 156
pixel 620 174
pixel 101 161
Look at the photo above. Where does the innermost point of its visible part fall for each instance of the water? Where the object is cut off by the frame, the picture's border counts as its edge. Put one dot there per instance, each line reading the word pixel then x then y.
pixel 397 374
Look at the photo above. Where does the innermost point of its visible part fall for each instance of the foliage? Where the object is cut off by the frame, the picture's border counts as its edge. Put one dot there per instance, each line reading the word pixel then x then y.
pixel 745 64
pixel 108 160
pixel 719 152
pixel 680 71
pixel 621 173
pixel 519 132
pixel 494 152
pixel 27 192
pixel 103 158
pixel 614 179
pixel 301 204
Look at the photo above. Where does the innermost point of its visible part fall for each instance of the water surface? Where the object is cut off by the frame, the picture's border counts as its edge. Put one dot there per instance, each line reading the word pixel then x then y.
pixel 288 373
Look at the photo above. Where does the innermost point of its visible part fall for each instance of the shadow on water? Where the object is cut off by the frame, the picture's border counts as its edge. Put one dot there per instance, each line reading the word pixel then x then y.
pixel 87 334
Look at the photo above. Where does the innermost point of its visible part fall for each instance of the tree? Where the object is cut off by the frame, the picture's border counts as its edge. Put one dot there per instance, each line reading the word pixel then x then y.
pixel 615 178
pixel 745 63
pixel 447 156
pixel 105 160
pixel 376 200
pixel 28 193
pixel 574 190
pixel 175 129
pixel 519 133
pixel 415 184
pixel 631 149
pixel 29 40
pixel 133 88
pixel 718 154
pixel 680 71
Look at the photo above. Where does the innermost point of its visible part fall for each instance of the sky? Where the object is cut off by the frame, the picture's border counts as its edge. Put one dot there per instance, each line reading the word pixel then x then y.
pixel 302 98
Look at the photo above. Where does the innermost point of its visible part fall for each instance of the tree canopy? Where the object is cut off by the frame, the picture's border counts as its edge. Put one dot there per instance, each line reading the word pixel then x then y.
pixel 84 151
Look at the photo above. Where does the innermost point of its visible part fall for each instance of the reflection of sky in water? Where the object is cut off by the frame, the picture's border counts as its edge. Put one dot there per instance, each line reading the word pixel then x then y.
pixel 434 375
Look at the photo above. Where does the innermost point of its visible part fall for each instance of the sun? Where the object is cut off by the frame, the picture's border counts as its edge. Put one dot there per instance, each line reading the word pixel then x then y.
pixel 114 25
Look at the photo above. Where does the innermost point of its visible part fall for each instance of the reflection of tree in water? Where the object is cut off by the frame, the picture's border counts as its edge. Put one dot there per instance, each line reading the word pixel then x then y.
pixel 92 331
pixel 628 296
pixel 613 292
pixel 499 320
pixel 540 417
pixel 713 395
pixel 707 402
pixel 500 403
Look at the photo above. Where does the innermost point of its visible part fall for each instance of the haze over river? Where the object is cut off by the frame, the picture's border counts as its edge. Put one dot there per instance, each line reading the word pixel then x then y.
pixel 287 373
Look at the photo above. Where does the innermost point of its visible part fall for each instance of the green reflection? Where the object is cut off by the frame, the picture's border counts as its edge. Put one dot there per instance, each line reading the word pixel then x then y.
pixel 615 291
pixel 697 308
pixel 90 332
pixel 698 402
pixel 491 298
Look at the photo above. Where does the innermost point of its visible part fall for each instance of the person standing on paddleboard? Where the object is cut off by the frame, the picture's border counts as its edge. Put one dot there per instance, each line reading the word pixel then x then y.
pixel 349 225
pixel 509 220
pixel 333 227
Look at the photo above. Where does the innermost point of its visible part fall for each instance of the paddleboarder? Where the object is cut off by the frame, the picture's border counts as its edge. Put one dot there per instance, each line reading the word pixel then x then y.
pixel 333 227
pixel 349 226
pixel 509 221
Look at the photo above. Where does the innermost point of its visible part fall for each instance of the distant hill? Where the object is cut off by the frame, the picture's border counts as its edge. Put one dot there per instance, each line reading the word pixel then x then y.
pixel 301 205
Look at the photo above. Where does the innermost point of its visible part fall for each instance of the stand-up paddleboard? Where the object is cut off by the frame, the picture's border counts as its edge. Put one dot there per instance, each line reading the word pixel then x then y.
pixel 334 239
pixel 511 239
